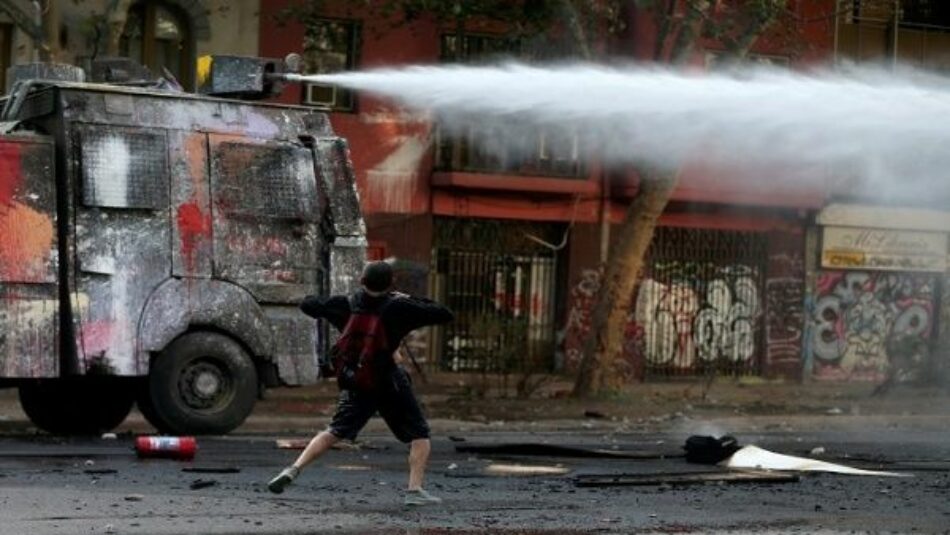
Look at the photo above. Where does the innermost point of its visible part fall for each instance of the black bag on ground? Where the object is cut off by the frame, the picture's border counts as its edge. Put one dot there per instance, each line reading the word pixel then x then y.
pixel 709 450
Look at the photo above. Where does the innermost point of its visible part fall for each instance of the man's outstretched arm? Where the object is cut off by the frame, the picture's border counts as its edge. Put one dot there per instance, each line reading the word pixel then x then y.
pixel 417 312
pixel 335 309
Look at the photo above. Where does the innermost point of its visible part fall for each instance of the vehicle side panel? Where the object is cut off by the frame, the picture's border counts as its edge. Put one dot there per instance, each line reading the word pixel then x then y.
pixel 29 295
pixel 122 239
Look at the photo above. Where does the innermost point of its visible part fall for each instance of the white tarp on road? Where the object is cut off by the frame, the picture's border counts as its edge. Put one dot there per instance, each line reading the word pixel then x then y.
pixel 757 458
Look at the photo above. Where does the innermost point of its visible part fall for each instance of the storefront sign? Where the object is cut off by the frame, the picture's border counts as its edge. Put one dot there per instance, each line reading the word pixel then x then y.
pixel 883 249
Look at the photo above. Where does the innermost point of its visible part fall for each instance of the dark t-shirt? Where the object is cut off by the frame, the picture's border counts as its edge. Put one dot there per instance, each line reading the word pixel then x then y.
pixel 401 315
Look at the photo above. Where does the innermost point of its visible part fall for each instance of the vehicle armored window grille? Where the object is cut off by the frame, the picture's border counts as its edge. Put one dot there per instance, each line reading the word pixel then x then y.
pixel 264 181
pixel 124 169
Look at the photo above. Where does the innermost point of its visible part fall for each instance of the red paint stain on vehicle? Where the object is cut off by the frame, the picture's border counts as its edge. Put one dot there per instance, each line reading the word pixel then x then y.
pixel 26 235
pixel 97 337
pixel 194 227
pixel 9 173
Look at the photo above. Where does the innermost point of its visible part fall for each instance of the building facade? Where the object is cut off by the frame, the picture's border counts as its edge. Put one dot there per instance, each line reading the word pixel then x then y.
pixel 161 34
pixel 747 275
pixel 877 286
pixel 514 243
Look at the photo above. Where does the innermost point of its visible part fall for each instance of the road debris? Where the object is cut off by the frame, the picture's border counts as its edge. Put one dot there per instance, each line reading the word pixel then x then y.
pixel 704 449
pixel 292 443
pixel 351 467
pixel 301 443
pixel 100 471
pixel 134 498
pixel 501 469
pixel 181 448
pixel 211 469
pixel 202 484
pixel 683 478
pixel 754 457
pixel 551 450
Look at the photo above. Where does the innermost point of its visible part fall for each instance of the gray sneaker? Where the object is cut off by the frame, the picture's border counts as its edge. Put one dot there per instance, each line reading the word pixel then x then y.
pixel 284 478
pixel 420 497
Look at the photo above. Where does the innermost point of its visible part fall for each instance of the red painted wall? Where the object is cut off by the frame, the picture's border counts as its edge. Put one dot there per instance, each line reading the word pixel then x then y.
pixel 378 130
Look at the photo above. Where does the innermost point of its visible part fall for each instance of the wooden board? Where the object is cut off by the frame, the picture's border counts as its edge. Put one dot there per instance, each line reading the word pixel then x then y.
pixel 683 478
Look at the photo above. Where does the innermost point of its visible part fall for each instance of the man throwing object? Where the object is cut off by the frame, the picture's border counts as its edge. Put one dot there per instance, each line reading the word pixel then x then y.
pixel 372 323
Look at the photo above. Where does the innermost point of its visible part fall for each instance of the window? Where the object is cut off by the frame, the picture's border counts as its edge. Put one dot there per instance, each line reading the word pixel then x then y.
pixel 470 48
pixel 492 147
pixel 868 10
pixel 928 12
pixel 157 36
pixel 264 181
pixel 912 12
pixel 922 38
pixel 330 46
pixel 714 60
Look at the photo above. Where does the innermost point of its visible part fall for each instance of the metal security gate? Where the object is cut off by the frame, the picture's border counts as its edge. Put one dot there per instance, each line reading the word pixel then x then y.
pixel 699 309
pixel 504 307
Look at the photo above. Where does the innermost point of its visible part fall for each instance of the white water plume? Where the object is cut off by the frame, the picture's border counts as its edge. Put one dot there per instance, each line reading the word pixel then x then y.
pixel 869 132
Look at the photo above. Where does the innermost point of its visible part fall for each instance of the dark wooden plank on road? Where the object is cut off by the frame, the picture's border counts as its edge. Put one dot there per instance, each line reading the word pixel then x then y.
pixel 553 450
pixel 683 478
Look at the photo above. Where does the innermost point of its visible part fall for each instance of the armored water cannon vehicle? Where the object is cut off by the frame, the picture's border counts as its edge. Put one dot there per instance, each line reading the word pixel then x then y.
pixel 155 244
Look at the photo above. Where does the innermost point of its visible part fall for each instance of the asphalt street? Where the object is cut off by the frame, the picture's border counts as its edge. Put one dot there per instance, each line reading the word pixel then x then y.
pixel 56 486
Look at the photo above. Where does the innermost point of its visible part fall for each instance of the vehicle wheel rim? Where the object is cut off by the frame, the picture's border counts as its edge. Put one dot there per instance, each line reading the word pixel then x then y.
pixel 205 385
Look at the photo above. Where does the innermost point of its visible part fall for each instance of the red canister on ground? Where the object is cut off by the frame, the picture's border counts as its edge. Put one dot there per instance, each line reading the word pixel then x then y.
pixel 182 448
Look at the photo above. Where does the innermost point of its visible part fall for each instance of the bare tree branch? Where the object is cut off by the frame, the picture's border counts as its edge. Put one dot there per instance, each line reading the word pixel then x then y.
pixel 664 22
pixel 690 30
pixel 740 47
pixel 577 29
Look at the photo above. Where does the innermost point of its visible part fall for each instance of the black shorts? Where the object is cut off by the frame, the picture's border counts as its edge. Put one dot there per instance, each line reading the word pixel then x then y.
pixel 394 401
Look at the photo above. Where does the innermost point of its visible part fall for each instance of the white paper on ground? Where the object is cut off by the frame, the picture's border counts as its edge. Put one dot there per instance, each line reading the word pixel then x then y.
pixel 757 458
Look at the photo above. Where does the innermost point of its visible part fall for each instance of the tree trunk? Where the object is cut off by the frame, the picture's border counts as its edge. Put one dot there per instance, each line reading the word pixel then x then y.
pixel 51 24
pixel 116 15
pixel 602 365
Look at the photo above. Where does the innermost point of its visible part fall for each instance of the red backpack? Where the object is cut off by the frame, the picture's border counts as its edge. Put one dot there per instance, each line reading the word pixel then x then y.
pixel 360 351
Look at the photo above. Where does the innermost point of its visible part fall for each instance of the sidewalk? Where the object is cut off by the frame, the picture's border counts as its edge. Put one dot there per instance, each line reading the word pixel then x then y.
pixel 748 405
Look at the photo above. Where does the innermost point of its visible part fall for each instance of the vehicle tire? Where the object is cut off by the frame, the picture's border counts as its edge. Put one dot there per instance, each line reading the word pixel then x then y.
pixel 80 406
pixel 202 383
